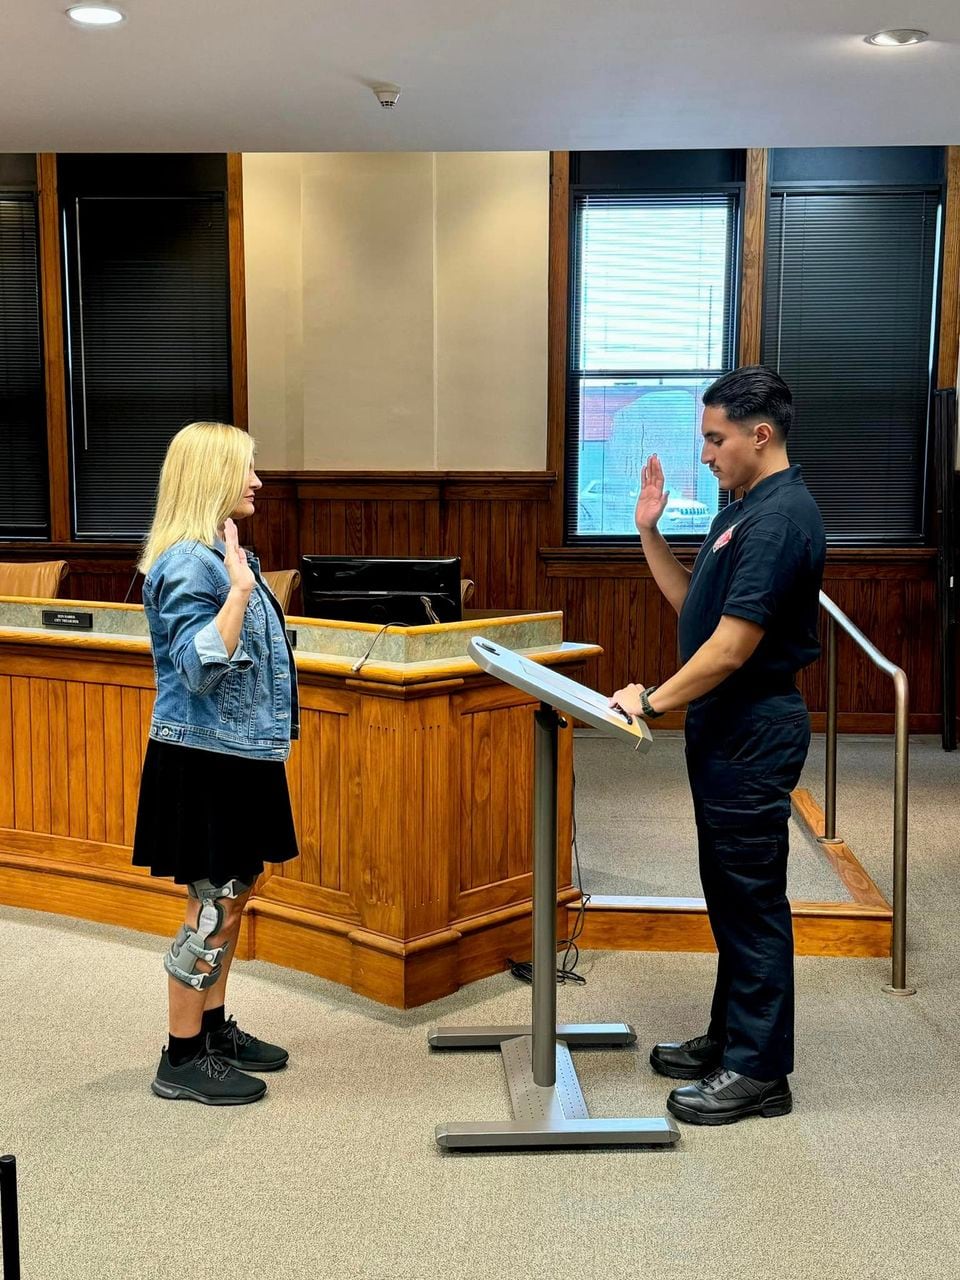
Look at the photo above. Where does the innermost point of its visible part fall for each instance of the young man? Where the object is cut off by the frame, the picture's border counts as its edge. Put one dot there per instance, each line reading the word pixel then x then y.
pixel 748 623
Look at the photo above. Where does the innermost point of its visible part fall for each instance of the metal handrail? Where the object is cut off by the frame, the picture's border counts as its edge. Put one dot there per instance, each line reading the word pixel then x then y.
pixel 901 738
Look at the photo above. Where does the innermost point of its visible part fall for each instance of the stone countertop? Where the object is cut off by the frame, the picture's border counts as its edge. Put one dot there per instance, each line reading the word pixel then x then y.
pixel 125 626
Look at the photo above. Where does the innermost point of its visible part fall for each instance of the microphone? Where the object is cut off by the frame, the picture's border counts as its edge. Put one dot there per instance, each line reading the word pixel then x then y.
pixel 136 574
pixel 425 601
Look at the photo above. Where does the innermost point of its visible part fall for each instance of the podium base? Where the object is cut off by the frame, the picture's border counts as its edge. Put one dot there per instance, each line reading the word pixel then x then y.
pixel 582 1035
pixel 548 1115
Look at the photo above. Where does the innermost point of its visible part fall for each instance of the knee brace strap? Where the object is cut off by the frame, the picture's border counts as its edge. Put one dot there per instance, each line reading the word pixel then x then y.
pixel 190 944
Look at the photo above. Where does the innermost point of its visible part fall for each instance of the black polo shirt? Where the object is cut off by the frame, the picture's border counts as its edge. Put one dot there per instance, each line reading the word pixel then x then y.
pixel 762 560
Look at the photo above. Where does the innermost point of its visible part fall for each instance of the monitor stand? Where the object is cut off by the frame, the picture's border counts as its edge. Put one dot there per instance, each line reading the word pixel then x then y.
pixel 549 1109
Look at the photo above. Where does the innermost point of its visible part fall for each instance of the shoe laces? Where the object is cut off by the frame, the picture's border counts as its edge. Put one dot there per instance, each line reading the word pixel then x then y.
pixel 717 1079
pixel 698 1042
pixel 239 1038
pixel 212 1065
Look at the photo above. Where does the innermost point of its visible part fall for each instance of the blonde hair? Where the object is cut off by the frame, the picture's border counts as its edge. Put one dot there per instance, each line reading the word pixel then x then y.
pixel 203 478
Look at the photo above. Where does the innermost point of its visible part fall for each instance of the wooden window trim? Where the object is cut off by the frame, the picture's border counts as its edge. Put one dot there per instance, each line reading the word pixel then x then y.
pixel 54 358
pixel 949 335
pixel 238 291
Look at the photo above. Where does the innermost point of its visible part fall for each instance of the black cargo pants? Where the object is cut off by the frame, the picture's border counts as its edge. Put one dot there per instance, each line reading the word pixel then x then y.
pixel 743 760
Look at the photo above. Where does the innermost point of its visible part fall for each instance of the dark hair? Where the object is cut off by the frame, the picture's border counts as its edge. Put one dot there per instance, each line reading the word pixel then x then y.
pixel 753 392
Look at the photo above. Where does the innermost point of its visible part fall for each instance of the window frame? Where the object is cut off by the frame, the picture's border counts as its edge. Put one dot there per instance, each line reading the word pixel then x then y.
pixel 573 374
pixel 839 187
pixel 41 174
pixel 74 353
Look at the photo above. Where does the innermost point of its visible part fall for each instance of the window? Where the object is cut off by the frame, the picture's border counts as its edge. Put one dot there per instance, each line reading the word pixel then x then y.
pixel 148 326
pixel 653 293
pixel 849 311
pixel 23 438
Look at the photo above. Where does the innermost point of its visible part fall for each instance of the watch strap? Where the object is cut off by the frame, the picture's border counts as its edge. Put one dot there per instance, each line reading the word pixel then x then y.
pixel 648 711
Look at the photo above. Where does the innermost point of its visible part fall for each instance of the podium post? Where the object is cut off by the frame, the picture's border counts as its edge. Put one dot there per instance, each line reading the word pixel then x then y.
pixel 549 1108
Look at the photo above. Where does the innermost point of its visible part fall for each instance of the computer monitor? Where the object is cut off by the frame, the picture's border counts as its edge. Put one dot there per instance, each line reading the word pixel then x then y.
pixel 381 589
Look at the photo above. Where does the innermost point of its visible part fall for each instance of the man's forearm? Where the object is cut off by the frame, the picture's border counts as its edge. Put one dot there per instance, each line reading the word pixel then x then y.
pixel 717 658
pixel 669 574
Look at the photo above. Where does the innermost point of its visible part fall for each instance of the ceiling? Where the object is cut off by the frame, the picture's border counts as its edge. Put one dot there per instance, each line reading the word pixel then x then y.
pixel 295 75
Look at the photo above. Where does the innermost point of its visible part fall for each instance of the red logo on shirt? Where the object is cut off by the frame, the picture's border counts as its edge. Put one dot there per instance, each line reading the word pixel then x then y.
pixel 724 538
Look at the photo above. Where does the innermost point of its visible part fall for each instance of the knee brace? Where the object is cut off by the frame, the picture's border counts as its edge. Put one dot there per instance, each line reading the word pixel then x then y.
pixel 190 945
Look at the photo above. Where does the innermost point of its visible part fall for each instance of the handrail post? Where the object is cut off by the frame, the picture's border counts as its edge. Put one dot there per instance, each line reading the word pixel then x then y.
pixel 836 617
pixel 898 980
pixel 830 800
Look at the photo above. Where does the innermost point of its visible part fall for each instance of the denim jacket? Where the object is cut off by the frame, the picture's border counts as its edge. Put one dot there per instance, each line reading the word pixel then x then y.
pixel 246 704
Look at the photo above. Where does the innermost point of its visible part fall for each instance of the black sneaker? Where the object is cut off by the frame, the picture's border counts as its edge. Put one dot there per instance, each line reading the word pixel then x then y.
pixel 690 1060
pixel 245 1051
pixel 206 1078
pixel 724 1097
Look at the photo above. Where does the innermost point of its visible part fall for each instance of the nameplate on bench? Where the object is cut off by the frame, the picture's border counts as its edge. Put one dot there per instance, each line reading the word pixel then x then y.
pixel 67 619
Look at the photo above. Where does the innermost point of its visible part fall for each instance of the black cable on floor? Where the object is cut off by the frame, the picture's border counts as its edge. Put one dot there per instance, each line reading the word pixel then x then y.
pixel 566 973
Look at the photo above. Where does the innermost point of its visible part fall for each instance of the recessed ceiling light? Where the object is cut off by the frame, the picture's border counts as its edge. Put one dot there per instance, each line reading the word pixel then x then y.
pixel 898 36
pixel 95 15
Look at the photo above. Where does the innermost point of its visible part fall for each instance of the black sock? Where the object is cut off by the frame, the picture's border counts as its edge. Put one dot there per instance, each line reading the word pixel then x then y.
pixel 213 1020
pixel 182 1048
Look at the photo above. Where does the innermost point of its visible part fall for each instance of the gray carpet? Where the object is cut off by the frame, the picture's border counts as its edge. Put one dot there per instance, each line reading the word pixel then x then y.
pixel 336 1174
pixel 635 828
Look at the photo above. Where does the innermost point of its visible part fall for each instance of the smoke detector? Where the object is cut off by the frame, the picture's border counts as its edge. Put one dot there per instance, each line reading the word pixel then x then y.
pixel 387 95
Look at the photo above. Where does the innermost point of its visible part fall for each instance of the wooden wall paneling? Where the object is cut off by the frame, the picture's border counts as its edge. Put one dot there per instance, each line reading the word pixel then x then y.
pixel 378 724
pixel 132 759
pixel 77 760
pixel 40 752
pixel 54 360
pixel 481 826
pixel 238 290
pixel 338 529
pixel 333 802
pixel 432 527
pixel 465 756
pixel 427 824
pixel 622 623
pixel 112 749
pixel 59 759
pixel 94 759
pixel 6 754
pixel 503 773
pixel 469 565
pixel 521 804
pixel 751 283
pixel 482 556
pixel 22 780
pixel 293 870
pixel 949 341
pixel 274 530
pixel 401 543
pixel 308 799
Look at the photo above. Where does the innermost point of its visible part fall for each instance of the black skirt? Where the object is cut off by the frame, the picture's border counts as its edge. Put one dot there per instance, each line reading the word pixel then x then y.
pixel 204 815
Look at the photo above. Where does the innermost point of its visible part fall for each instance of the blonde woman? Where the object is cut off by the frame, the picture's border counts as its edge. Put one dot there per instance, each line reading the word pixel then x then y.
pixel 214 803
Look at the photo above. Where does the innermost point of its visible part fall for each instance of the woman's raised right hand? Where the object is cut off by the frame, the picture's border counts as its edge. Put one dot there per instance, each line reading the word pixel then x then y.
pixel 652 498
pixel 235 560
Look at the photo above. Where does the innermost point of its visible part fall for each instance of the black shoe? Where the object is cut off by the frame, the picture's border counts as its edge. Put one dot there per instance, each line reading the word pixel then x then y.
pixel 724 1097
pixel 245 1051
pixel 206 1078
pixel 691 1060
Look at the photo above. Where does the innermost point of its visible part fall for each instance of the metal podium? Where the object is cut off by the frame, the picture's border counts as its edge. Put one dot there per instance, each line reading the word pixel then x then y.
pixel 548 1105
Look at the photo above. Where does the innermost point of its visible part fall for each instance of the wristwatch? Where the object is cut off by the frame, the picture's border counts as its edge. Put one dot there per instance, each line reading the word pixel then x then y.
pixel 645 706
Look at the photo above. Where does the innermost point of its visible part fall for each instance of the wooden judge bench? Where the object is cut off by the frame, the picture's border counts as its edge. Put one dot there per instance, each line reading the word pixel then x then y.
pixel 411 783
